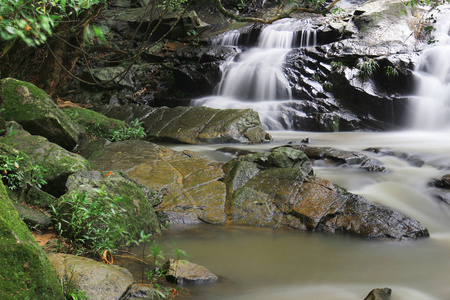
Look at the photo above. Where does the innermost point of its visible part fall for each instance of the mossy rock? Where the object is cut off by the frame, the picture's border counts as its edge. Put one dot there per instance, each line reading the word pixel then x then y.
pixel 26 272
pixel 193 125
pixel 37 113
pixel 190 181
pixel 58 162
pixel 277 189
pixel 133 205
pixel 95 123
pixel 96 279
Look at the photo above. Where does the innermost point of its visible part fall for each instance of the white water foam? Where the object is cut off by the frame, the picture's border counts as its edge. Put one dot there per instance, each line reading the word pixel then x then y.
pixel 255 79
pixel 432 104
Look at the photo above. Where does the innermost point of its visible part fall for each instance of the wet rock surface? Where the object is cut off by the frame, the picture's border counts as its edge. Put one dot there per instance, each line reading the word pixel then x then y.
pixel 193 125
pixel 189 181
pixel 379 294
pixel 305 202
pixel 185 272
pixel 334 157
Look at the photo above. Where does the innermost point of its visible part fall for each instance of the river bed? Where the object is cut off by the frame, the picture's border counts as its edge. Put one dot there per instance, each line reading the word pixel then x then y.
pixel 263 263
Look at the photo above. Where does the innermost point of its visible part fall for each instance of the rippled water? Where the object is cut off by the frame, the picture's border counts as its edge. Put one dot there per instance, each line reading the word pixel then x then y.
pixel 263 263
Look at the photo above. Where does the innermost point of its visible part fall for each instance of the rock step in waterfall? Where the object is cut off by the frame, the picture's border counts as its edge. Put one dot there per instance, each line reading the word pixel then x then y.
pixel 255 78
pixel 432 100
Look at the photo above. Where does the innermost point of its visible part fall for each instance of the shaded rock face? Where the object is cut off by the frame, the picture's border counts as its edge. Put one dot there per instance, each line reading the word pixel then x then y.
pixel 26 271
pixel 193 125
pixel 305 202
pixel 188 180
pixel 37 113
pixel 58 162
pixel 97 280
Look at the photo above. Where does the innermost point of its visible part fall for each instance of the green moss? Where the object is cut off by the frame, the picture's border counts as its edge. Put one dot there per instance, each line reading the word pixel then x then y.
pixel 20 99
pixel 95 123
pixel 26 272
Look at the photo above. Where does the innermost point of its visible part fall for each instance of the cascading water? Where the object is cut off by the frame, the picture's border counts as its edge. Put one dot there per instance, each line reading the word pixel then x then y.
pixel 255 78
pixel 432 104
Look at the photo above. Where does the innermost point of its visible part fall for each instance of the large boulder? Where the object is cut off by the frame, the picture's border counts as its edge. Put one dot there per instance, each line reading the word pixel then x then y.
pixel 26 272
pixel 305 202
pixel 193 125
pixel 189 181
pixel 135 202
pixel 37 113
pixel 58 162
pixel 97 280
pixel 95 124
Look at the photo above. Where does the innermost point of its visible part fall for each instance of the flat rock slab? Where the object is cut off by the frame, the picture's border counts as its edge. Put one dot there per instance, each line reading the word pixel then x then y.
pixel 193 125
pixel 189 180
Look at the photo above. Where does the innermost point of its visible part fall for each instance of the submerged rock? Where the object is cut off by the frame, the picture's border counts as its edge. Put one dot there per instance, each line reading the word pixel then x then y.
pixel 379 294
pixel 183 272
pixel 335 157
pixel 193 125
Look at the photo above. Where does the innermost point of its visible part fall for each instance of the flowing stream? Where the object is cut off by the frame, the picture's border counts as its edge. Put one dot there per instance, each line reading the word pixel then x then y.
pixel 262 263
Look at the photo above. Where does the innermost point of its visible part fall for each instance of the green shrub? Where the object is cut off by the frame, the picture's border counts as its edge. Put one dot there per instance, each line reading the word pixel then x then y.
pixel 134 132
pixel 367 68
pixel 91 222
pixel 15 173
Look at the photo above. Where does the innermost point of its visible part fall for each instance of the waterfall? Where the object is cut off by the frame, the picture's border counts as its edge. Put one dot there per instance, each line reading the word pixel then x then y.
pixel 431 105
pixel 255 78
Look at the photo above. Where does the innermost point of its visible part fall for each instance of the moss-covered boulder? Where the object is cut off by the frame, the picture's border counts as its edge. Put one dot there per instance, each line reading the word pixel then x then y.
pixel 108 203
pixel 26 272
pixel 58 162
pixel 97 280
pixel 37 113
pixel 95 123
pixel 193 125
pixel 278 189
pixel 189 181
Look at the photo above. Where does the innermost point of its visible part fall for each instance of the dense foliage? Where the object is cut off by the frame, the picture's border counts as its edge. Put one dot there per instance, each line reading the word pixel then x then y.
pixel 33 21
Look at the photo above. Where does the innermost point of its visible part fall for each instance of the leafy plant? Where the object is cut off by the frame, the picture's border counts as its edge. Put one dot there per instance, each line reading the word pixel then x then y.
pixel 337 65
pixel 16 175
pixel 327 86
pixel 33 21
pixel 172 5
pixel 86 221
pixel 391 72
pixel 367 68
pixel 134 132
pixel 71 293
